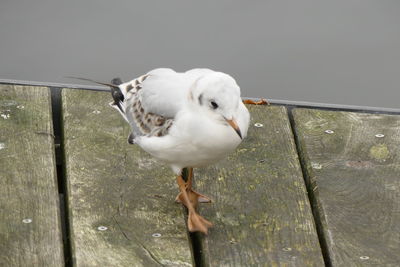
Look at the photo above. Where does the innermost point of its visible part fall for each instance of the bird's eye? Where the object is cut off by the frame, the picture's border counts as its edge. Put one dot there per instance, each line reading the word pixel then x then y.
pixel 214 105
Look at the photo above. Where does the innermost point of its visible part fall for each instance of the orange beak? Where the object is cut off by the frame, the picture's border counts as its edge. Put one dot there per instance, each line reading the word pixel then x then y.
pixel 235 127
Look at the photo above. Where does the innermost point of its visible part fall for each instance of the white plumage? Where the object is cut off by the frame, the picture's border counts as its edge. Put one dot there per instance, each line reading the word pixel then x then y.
pixel 199 134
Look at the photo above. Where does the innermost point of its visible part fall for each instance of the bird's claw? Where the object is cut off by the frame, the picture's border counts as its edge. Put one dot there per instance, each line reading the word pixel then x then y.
pixel 194 197
pixel 197 223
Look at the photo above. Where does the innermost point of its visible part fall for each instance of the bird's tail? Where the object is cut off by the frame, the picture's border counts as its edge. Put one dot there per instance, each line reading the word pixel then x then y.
pixel 122 98
pixel 116 93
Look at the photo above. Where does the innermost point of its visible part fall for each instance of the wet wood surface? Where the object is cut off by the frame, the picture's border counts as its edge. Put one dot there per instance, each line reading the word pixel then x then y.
pixel 30 229
pixel 352 163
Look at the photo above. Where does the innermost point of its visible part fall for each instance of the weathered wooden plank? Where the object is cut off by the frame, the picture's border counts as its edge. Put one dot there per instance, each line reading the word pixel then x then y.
pixel 260 207
pixel 28 186
pixel 116 185
pixel 354 173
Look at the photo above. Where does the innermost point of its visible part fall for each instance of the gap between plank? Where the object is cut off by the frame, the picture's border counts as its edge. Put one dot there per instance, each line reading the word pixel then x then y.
pixel 310 193
pixel 195 239
pixel 61 182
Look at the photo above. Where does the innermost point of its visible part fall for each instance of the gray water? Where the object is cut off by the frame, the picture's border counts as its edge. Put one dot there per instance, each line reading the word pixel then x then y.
pixel 340 52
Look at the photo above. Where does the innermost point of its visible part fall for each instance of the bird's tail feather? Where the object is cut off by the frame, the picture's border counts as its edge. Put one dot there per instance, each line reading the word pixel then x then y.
pixel 119 94
pixel 116 92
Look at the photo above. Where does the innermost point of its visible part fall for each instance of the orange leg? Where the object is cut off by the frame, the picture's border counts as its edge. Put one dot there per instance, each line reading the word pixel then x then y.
pixel 194 196
pixel 195 221
pixel 260 102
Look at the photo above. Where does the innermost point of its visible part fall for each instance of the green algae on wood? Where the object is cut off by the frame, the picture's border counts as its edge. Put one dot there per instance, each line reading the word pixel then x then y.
pixel 355 188
pixel 119 188
pixel 30 229
pixel 379 152
pixel 260 209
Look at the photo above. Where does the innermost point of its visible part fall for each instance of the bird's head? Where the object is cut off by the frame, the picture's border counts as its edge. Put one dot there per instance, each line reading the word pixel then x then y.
pixel 218 95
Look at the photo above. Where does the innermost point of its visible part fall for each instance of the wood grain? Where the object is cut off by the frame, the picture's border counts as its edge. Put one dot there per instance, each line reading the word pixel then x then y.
pixel 355 179
pixel 118 186
pixel 260 207
pixel 28 187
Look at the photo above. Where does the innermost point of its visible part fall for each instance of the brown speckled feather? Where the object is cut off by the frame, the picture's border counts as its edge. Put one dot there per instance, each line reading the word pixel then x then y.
pixel 149 124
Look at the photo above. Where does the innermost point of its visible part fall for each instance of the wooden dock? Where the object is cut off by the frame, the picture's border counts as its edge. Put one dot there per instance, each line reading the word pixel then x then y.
pixel 307 187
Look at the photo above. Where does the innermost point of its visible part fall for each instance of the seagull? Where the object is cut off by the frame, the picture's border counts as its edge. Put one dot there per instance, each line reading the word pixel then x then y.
pixel 185 119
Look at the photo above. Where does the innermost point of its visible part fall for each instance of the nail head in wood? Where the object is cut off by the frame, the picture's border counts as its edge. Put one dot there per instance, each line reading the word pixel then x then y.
pixel 27 220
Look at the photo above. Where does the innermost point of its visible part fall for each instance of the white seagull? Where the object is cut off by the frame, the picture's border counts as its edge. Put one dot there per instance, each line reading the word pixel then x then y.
pixel 190 119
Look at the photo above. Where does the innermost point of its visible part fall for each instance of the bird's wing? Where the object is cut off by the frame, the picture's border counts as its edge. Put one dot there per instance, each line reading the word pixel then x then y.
pixel 150 102
pixel 165 91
